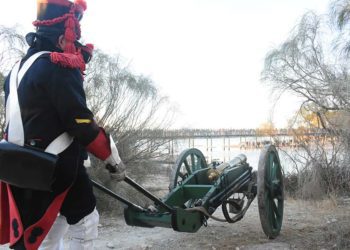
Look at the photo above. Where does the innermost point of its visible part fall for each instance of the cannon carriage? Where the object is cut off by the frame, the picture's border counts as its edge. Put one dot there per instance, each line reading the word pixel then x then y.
pixel 198 189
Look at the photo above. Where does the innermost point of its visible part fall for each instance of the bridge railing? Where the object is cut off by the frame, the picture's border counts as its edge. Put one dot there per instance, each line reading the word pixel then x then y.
pixel 205 133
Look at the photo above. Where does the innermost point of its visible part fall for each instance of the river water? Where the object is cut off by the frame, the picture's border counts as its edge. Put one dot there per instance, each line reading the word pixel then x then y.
pixel 225 149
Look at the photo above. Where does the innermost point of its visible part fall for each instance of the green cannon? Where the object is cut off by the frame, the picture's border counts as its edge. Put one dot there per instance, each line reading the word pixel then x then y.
pixel 198 189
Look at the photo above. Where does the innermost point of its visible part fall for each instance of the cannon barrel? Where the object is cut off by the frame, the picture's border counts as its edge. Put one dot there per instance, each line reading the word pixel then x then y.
pixel 214 173
pixel 241 158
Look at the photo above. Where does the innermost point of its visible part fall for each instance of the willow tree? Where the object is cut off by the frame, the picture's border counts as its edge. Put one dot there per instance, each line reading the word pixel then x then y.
pixel 340 18
pixel 308 65
pixel 126 104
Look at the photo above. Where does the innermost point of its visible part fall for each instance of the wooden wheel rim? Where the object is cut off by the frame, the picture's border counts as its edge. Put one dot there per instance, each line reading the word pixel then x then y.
pixel 189 161
pixel 270 191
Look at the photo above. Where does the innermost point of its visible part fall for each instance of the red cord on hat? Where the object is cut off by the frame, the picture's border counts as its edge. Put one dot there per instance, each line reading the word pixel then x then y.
pixel 70 57
pixel 72 25
pixel 51 22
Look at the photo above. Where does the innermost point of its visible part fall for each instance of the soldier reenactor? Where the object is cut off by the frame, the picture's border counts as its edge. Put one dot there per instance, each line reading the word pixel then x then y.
pixel 49 112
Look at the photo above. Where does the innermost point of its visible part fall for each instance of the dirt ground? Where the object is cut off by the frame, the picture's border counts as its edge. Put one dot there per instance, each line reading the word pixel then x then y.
pixel 307 225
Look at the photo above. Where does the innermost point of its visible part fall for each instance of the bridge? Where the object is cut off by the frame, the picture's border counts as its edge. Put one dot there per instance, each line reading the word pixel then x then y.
pixel 225 133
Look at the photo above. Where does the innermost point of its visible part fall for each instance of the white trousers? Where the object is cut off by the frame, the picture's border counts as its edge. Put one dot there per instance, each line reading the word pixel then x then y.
pixel 80 236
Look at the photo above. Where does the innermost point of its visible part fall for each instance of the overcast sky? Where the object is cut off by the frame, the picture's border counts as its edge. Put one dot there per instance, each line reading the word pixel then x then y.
pixel 206 55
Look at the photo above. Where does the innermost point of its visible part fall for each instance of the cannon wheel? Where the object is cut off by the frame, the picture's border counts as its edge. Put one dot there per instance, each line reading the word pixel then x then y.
pixel 270 192
pixel 189 161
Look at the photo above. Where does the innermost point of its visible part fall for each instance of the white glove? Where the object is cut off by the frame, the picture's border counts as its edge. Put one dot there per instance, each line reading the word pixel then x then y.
pixel 117 172
pixel 115 165
pixel 114 158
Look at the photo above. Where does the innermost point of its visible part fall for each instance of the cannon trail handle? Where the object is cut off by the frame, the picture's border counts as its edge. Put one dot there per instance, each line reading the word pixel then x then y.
pixel 135 185
pixel 149 195
pixel 116 196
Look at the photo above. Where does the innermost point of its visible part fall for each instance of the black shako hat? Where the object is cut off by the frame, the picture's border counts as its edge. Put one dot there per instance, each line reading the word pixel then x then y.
pixel 60 17
pixel 57 17
pixel 48 10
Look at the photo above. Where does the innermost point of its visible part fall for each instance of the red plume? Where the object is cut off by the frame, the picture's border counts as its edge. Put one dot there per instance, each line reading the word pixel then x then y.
pixel 90 46
pixel 81 3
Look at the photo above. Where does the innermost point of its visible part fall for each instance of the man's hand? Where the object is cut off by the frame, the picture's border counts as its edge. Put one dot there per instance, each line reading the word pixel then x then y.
pixel 117 172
